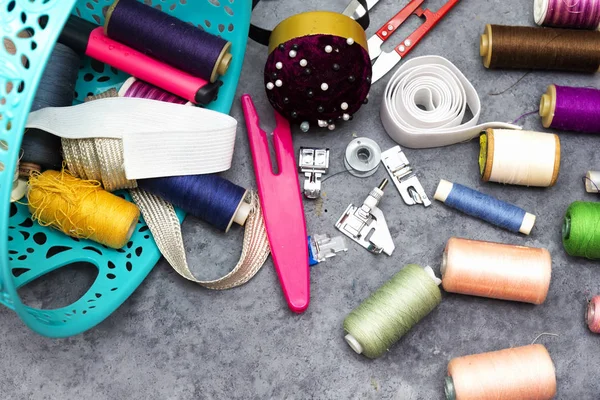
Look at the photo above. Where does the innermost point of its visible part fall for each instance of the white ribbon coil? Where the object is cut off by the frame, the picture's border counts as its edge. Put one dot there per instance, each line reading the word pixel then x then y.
pixel 425 102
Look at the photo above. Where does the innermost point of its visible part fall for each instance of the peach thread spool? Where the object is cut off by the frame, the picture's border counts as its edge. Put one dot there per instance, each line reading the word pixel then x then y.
pixel 496 270
pixel 81 208
pixel 593 314
pixel 523 373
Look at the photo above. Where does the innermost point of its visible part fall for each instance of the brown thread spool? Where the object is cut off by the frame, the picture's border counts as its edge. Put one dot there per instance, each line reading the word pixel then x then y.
pixel 523 373
pixel 497 271
pixel 522 47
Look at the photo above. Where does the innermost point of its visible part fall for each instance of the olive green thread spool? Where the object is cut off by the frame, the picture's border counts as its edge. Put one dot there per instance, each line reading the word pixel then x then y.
pixel 581 230
pixel 390 312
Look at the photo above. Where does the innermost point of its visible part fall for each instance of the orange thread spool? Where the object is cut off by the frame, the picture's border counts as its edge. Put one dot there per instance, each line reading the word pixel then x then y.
pixel 496 270
pixel 523 373
pixel 81 208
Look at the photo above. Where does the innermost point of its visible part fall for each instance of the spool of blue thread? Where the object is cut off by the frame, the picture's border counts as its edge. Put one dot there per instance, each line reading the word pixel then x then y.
pixel 168 39
pixel 209 197
pixel 487 208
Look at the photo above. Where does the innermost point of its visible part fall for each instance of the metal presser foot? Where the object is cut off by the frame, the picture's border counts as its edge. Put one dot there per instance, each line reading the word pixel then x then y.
pixel 366 224
pixel 313 163
pixel 402 174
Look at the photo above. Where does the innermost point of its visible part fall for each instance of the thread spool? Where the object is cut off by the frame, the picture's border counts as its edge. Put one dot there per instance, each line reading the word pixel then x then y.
pixel 524 373
pixel 497 271
pixel 19 187
pixel 592 314
pixel 168 39
pixel 581 230
pixel 390 312
pixel 592 182
pixel 519 157
pixel 208 197
pixel 81 209
pixel 485 207
pixel 522 47
pixel 41 150
pixel 362 157
pixel 571 109
pixel 578 14
pixel 136 88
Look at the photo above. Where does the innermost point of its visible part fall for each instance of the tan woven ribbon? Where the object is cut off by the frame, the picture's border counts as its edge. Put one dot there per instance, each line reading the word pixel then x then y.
pixel 102 159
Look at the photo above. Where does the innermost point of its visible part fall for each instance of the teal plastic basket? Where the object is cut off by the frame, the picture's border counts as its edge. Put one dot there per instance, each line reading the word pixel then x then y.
pixel 29 251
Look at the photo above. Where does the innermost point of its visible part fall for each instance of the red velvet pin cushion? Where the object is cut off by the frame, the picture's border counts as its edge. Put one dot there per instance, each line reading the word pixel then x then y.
pixel 318 71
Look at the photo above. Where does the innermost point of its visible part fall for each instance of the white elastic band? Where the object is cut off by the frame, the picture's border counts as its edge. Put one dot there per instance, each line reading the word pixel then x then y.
pixel 436 84
pixel 159 139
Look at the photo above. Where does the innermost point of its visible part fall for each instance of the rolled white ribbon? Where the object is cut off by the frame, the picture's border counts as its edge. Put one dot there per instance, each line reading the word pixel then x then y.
pixel 438 86
pixel 159 139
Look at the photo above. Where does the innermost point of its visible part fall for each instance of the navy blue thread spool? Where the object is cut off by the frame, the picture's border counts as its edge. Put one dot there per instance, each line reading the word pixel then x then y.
pixel 209 197
pixel 168 39
pixel 42 150
pixel 485 207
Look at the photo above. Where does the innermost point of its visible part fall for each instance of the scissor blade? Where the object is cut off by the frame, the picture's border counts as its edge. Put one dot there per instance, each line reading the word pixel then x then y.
pixel 355 10
pixel 374 45
pixel 384 64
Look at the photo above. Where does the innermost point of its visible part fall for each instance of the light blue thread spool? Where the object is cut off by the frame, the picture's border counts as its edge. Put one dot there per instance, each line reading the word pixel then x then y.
pixel 26 256
pixel 487 208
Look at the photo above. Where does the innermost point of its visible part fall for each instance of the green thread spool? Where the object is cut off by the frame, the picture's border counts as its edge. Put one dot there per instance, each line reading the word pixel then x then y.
pixel 581 230
pixel 383 318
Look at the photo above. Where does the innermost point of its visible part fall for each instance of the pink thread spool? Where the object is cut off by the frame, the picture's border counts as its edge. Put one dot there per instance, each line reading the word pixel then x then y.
pixel 576 14
pixel 593 314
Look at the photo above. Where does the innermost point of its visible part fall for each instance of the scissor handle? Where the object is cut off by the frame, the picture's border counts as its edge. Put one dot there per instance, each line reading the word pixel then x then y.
pixel 394 23
pixel 431 20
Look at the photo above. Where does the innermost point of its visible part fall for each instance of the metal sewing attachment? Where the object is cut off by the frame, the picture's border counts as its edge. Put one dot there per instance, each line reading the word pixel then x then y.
pixel 313 163
pixel 401 173
pixel 366 224
pixel 322 247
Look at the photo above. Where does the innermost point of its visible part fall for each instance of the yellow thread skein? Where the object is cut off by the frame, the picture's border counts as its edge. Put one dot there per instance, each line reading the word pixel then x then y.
pixel 81 208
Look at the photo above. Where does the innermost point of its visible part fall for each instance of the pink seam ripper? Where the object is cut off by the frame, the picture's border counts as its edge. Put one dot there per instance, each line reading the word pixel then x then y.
pixel 281 201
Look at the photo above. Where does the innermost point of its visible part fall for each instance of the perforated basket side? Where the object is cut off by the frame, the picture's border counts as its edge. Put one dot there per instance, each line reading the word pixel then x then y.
pixel 29 251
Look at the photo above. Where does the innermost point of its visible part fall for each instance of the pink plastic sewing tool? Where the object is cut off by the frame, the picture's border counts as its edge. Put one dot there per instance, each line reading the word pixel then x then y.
pixel 282 205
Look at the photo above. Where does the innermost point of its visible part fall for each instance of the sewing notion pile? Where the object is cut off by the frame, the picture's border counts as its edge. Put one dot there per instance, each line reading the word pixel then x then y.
pixel 115 124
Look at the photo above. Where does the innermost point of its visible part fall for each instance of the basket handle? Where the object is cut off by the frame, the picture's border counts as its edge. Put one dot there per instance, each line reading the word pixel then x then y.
pixel 262 35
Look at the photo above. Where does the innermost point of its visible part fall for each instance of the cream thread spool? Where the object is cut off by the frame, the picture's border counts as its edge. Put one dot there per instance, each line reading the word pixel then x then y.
pixel 592 182
pixel 519 157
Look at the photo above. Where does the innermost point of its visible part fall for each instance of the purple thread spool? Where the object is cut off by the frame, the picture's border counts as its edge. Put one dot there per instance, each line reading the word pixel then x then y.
pixel 136 88
pixel 577 14
pixel 571 109
pixel 168 39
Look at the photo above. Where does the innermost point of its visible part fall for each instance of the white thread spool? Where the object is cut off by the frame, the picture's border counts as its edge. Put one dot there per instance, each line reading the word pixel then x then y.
pixel 519 157
pixel 19 187
pixel 592 182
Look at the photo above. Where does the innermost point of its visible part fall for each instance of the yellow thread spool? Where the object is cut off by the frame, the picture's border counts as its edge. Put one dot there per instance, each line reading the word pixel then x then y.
pixel 81 208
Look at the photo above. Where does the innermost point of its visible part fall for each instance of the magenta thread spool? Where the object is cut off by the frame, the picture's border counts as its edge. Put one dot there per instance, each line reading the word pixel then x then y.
pixel 575 14
pixel 571 109
pixel 168 39
pixel 137 88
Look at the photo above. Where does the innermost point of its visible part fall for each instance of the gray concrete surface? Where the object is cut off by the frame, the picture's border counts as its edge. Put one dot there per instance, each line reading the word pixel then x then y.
pixel 174 340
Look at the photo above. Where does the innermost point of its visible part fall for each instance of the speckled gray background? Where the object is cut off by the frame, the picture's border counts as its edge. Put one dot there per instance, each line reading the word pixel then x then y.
pixel 174 340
